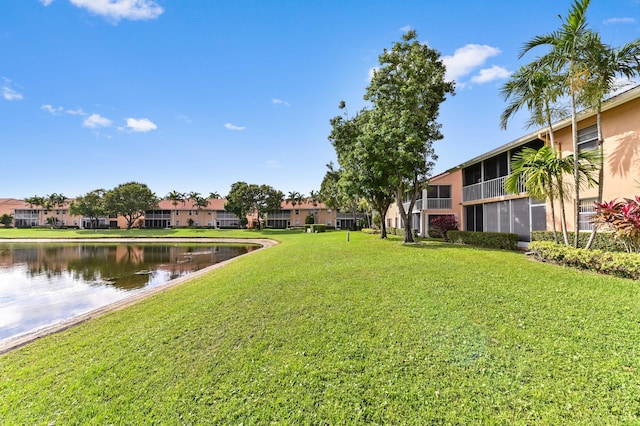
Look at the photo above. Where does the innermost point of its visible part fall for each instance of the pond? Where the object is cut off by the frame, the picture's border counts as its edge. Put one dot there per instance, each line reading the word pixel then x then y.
pixel 43 284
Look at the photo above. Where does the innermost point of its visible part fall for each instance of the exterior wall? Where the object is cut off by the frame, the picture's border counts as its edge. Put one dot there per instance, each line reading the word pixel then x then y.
pixel 290 215
pixel 435 207
pixel 500 212
pixel 621 133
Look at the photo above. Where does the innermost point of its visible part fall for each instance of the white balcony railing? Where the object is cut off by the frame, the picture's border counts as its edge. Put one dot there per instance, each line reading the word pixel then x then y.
pixel 488 189
pixel 439 203
pixel 417 206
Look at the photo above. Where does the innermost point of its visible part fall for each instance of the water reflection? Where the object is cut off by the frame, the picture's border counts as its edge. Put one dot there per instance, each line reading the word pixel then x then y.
pixel 43 284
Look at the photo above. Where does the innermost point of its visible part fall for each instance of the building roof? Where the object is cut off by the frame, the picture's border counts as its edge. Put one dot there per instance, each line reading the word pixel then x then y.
pixel 214 204
pixel 612 102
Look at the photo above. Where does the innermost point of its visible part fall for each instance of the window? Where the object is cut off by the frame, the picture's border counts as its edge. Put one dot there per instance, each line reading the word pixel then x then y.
pixel 472 174
pixel 496 167
pixel 588 138
pixel 439 191
pixel 587 210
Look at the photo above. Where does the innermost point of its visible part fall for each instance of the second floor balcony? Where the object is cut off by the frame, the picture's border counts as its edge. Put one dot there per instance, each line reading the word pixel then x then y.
pixel 489 189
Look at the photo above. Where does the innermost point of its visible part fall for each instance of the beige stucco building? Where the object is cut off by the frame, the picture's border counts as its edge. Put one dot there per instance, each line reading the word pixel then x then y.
pixel 477 195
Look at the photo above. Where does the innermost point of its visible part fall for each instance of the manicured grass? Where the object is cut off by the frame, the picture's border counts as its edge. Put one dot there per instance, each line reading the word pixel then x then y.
pixel 321 330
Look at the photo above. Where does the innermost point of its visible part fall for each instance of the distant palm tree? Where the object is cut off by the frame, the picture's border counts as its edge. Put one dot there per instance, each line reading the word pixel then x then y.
pixel 175 197
pixel 214 196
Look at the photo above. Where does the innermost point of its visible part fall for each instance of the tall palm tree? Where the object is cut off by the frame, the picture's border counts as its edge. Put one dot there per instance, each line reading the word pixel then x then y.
pixel 568 45
pixel 538 87
pixel 606 64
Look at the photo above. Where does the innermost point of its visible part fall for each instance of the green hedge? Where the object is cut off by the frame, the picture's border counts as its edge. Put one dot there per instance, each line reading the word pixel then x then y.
pixel 625 265
pixel 498 240
pixel 317 227
pixel 602 241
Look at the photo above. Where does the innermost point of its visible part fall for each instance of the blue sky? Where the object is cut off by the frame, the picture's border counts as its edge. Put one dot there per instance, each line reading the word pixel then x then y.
pixel 193 95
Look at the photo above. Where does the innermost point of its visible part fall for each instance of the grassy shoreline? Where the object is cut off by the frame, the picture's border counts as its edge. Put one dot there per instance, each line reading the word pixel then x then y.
pixel 321 330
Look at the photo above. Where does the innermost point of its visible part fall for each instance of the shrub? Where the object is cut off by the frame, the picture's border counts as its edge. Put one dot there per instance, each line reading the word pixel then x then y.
pixel 498 240
pixel 317 227
pixel 623 218
pixel 370 231
pixel 603 241
pixel 310 219
pixel 624 265
pixel 444 224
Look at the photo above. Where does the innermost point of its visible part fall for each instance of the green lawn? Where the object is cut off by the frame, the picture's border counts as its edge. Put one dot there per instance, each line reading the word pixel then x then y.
pixel 319 330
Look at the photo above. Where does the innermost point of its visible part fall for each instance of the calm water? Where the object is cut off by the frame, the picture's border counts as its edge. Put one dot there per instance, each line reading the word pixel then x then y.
pixel 48 283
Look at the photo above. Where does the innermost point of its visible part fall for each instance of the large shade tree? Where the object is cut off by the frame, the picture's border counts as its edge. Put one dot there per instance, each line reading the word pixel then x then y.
pixel 90 205
pixel 405 92
pixel 364 173
pixel 130 200
pixel 244 199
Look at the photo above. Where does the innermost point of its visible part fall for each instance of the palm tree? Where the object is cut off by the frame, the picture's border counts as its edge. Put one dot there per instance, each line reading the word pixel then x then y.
pixel 175 197
pixel 214 196
pixel 292 198
pixel 538 87
pixel 568 45
pixel 606 64
pixel 541 173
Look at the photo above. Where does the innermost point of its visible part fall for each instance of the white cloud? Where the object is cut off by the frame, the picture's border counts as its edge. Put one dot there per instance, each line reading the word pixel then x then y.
pixel 140 125
pixel 51 109
pixel 115 10
pixel 78 111
pixel 95 121
pixel 276 101
pixel 232 127
pixel 467 58
pixel 8 93
pixel 46 2
pixel 490 74
pixel 619 21
pixel 406 28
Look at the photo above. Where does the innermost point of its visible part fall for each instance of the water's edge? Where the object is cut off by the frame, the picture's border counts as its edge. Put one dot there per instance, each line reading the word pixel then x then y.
pixel 24 339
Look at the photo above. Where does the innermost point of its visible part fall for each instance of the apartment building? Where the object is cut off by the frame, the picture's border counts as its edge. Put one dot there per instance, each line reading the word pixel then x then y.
pixel 476 187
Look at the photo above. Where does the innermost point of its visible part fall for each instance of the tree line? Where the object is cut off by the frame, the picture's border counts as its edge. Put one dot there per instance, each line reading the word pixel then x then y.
pixel 132 199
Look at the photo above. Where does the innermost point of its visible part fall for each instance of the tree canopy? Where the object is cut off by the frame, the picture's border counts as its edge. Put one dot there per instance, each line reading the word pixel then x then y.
pixel 387 149
pixel 244 199
pixel 130 200
pixel 90 205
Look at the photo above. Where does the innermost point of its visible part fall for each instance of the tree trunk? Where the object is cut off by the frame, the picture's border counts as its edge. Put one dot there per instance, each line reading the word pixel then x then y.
pixel 576 170
pixel 600 172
